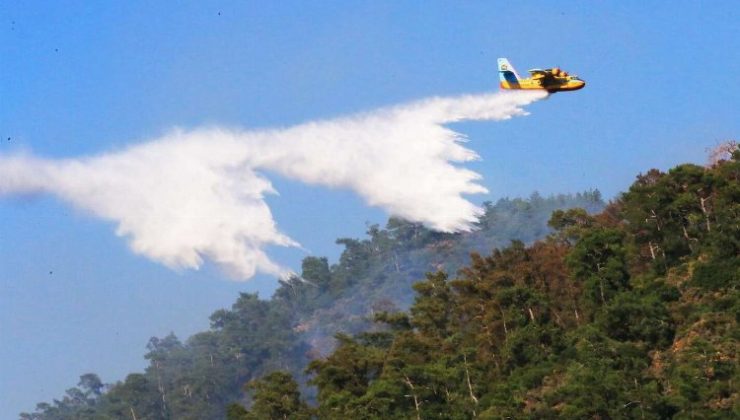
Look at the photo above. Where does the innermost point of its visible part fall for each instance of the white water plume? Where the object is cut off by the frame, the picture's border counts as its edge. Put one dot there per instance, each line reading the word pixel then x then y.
pixel 199 194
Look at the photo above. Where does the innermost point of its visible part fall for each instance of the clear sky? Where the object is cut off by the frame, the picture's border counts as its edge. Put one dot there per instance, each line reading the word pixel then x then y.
pixel 79 78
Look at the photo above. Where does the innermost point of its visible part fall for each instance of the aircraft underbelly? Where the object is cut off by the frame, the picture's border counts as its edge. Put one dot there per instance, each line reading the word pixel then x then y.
pixel 531 85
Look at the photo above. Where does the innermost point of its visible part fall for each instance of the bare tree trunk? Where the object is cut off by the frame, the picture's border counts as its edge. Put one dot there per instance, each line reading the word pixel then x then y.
pixel 160 387
pixel 503 318
pixel 558 320
pixel 601 284
pixel 470 385
pixel 417 404
pixel 687 237
pixel 652 251
pixel 133 414
pixel 706 214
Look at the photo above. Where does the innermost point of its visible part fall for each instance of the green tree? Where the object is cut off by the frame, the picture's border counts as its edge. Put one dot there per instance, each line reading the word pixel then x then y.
pixel 276 396
pixel 599 261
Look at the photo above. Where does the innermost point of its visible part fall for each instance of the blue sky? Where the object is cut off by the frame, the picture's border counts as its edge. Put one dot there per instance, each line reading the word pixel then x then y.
pixel 79 78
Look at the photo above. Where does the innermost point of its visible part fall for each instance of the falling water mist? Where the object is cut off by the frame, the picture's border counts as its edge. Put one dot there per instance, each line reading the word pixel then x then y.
pixel 195 195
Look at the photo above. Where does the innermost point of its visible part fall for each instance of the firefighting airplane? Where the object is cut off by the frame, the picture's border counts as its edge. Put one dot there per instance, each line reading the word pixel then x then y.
pixel 551 80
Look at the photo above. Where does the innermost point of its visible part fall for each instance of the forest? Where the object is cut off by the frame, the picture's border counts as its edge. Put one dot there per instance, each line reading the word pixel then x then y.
pixel 554 307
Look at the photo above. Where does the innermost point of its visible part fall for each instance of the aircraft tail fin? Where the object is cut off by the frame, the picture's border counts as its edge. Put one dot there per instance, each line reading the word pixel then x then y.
pixel 506 72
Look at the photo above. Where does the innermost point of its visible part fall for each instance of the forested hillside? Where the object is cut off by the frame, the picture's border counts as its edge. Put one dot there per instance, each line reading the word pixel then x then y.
pixel 631 313
pixel 198 378
pixel 627 311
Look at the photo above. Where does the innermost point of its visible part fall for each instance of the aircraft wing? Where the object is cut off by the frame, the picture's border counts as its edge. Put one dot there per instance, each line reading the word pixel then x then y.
pixel 540 76
pixel 538 72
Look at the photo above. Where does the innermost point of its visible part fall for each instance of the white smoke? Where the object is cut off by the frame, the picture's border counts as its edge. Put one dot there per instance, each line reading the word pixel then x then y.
pixel 199 194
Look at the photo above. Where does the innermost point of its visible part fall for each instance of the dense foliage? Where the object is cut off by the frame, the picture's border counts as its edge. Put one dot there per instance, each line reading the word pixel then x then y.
pixel 198 378
pixel 631 313
pixel 628 313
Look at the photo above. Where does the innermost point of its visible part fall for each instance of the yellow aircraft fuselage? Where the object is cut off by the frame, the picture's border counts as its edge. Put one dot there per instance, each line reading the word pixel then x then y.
pixel 551 80
pixel 557 85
